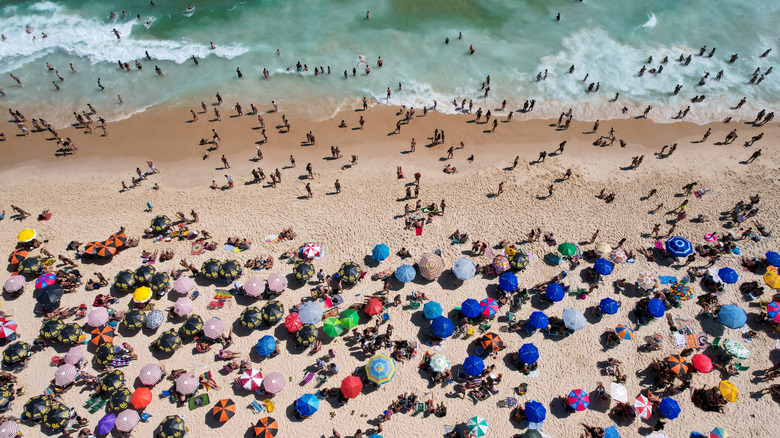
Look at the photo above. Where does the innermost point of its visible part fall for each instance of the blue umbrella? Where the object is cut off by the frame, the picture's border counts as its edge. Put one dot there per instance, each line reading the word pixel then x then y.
pixel 405 273
pixel 266 345
pixel 773 258
pixel 732 316
pixel 728 275
pixel 307 405
pixel 535 412
pixel 603 266
pixel 464 269
pixel 554 292
pixel 473 365
pixel 609 306
pixel 529 353
pixel 508 282
pixel 611 432
pixel 656 307
pixel 105 424
pixel 471 308
pixel 538 320
pixel 380 252
pixel 669 408
pixel 432 309
pixel 678 246
pixel 442 327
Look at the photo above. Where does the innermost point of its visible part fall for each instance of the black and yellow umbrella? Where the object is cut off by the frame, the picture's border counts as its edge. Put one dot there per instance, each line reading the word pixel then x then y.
pixel 303 271
pixel 518 260
pixel 224 410
pixel 168 342
pixel 250 317
pixel 306 335
pixel 134 319
pixel 17 256
pixel 172 427
pixel 36 407
pixel 16 352
pixel 57 417
pixel 5 396
pixel 211 269
pixel 102 335
pixel 230 270
pixel 272 312
pixel 51 328
pixel 350 272
pixel 144 273
pixel 70 332
pixel 117 240
pixel 160 224
pixel 31 265
pixel 111 381
pixel 192 325
pixel 119 400
pixel 104 354
pixel 124 280
pixel 160 281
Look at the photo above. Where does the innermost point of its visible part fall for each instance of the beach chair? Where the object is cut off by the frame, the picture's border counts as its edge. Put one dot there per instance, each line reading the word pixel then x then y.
pixel 97 406
pixel 420 407
pixel 256 407
pixel 308 378
pixel 461 376
pixel 269 405
pixel 91 401
pixel 412 305
pixel 507 403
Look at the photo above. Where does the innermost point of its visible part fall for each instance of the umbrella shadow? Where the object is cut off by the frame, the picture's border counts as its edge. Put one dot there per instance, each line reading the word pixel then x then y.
pixel 448 281
pixel 710 326
pixel 370 262
pixel 597 404
pixel 559 408
pixel 293 283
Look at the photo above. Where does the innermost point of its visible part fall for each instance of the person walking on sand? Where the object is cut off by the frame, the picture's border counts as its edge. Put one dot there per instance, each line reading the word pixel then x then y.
pixel 656 230
pixel 450 151
pixel 595 127
pixel 542 157
pixel 194 116
pixel 495 124
pixel 756 138
pixel 567 175
pixel 514 164
pixel 292 161
pixel 229 181
pixel 308 190
pixel 308 169
pixel 500 188
pixel 337 185
pixel 755 155
pixel 413 145
pixel 730 137
pixel 595 236
pixel 550 191
pixel 152 167
pixel 706 135
pixel 225 162
pixel 561 146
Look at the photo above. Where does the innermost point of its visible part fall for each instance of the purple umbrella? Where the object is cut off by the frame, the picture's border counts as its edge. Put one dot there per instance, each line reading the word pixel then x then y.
pixel 254 287
pixel 105 424
pixel 74 355
pixel 183 285
pixel 97 317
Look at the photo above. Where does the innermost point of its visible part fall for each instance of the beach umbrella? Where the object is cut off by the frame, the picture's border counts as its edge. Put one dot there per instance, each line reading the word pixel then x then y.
pixel 373 307
pixel 183 285
pixel 732 316
pixel 74 355
pixel 144 273
pixel 169 341
pixel 254 287
pixel 538 320
pixel 567 249
pixel 213 328
pixel 104 354
pixel 141 398
pixel 17 256
pixel 31 265
pixel 531 433
pixel 554 292
pixel 65 375
pixel 669 408
pixel 9 429
pixel 351 386
pixel 7 328
pixel 292 323
pixel 126 420
pixel 380 369
pixel 5 397
pixel 603 266
pixel 439 363
pixel 36 407
pixel 50 295
pixel 272 312
pixel 306 335
pixel 187 383
pixel 273 383
pixel 701 363
pixel 57 417
pixel 150 374
pixel 609 306
pixel 154 319
pixel 51 329
pixel 303 271
pixel 573 319
pixel 719 432
pixel 192 325
pixel 528 353
pixel 771 278
pixel 16 352
pixel 728 275
pixel 310 312
pixel 92 248
pixel 182 306
pixel 518 260
pixel 350 272
pixel 477 426
pixel 405 273
pixel 488 307
pixel 124 280
pixel 250 317
pixel 578 400
pixel 45 279
pixel 134 319
pixel 611 432
pixel 645 281
pixel 99 249
pixel 230 270
pixel 442 327
pixel 97 317
pixel 501 263
pixel 14 284
pixel 111 381
pixel 432 309
pixel 491 342
pixel 682 291
pixel 265 427
pixel 471 308
pixel 116 240
pixel 224 410
pixel 311 250
pixel 535 412
pixel 380 252
pixel 120 399
pixel 773 258
pixel 677 364
pixel 464 269
pixel 431 266
pixel 473 365
pixel 643 407
pixel 172 426
pixel 160 281
pixel 678 246
pixel 332 327
pixel 507 282
pixel 26 235
pixel 142 294
pixel 624 332
pixel 349 318
pixel 70 332
pixel 307 404
pixel 618 255
pixel 728 391
pixel 210 269
pixel 277 282
pixel 656 307
pixel 102 335
pixel 160 224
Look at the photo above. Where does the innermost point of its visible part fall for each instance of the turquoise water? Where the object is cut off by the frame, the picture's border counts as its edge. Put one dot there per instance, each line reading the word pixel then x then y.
pixel 514 40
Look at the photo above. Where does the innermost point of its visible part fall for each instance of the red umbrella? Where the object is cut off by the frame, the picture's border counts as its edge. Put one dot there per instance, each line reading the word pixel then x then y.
pixel 702 363
pixel 373 307
pixel 141 398
pixel 351 387
pixel 292 323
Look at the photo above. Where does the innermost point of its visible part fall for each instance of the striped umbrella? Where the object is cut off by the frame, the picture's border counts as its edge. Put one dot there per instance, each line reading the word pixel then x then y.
pixel 187 383
pixel 678 246
pixel 150 374
pixel 9 429
pixel 65 375
pixel 643 407
pixel 624 332
pixel 44 280
pixel 578 400
pixel 183 285
pixel 380 369
pixel 719 432
pixel 7 327
pixel 477 426
pixel 213 328
pixel 277 282
pixel 74 355
pixel 273 383
pixel 17 256
pixel 103 335
pixel 677 364
pixel 439 363
pixel 251 379
pixel 126 420
pixel 491 342
pixel 431 266
pixel 97 317
pixel 14 284
pixel 182 306
pixel 254 287
pixel 311 250
pixel 117 240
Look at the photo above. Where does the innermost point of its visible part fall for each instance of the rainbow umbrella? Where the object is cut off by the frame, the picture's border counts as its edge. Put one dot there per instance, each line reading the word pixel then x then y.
pixel 682 291
pixel 501 263
pixel 719 432
pixel 624 332
pixel 380 369
pixel 431 266
pixel 578 400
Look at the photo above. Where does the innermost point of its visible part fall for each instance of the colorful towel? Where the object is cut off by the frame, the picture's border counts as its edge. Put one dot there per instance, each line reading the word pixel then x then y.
pixel 666 279
pixel 272 238
pixel 197 248
pixel 222 295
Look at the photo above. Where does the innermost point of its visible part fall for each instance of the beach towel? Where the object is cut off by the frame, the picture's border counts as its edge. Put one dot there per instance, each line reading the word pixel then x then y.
pixel 418 231
pixel 658 245
pixel 222 294
pixel 229 248
pixel 271 238
pixel 667 279
pixel 207 376
pixel 197 248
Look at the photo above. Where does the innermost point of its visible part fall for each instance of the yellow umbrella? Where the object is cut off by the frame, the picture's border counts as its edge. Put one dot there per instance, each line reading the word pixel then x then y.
pixel 603 247
pixel 772 279
pixel 509 251
pixel 142 294
pixel 728 391
pixel 26 235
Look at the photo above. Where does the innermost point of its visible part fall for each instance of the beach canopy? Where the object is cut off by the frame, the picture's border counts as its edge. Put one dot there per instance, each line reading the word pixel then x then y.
pixel 265 427
pixel 669 408
pixel 773 258
pixel 473 365
pixel 266 345
pixel 65 375
pixel 126 420
pixel 303 271
pixel 656 307
pixel 351 386
pixel 254 287
pixel 307 404
pixel 45 279
pixel 124 280
pixel 488 306
pixel 439 363
pixel 332 327
pixel 677 364
pixel 272 312
pixel 518 260
pixel 507 282
pixel 567 249
pixel 210 269
pixel 431 266
pixel 224 410
pixel 603 266
pixel 150 374
pixel 728 275
pixel 7 327
pixel 213 328
pixel 273 383
pixel 573 319
pixel 111 381
pixel 172 426
pixel 380 369
pixel 250 318
pixel 277 282
pixel 432 309
pixel 477 426
pixel 142 294
pixel 97 317
pixel 182 306
pixel 380 252
pixel 405 273
pixel 120 399
pixel 609 306
pixel 701 363
pixel 57 417
pixel 373 307
pixel 471 308
pixel 719 432
pixel 554 292
pixel 528 353
pixel 14 284
pixel 350 272
pixel 306 335
pixel 732 316
pixel 36 407
pixel 624 332
pixel 230 270
pixel 464 269
pixel 311 250
pixel 491 342
pixel 538 320
pixel 251 379
pixel 578 400
pixel 442 327
pixel 643 407
pixel 678 246
pixel 728 391
pixel 535 412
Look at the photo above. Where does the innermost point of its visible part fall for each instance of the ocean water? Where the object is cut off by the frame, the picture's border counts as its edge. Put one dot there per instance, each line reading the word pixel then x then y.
pixel 514 40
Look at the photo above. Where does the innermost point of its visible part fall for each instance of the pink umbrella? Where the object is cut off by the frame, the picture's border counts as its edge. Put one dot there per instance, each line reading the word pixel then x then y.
pixel 277 282
pixel 183 285
pixel 251 379
pixel 213 328
pixel 644 409
pixel 183 306
pixel 97 317
pixel 254 287
pixel 126 420
pixel 74 355
pixel 14 284
pixel 187 383
pixel 273 383
pixel 65 375
pixel 150 374
pixel 7 327
pixel 9 429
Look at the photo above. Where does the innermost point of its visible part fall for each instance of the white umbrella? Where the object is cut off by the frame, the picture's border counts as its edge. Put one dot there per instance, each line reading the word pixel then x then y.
pixel 618 392
pixel 310 313
pixel 311 250
pixel 150 374
pixel 573 319
pixel 277 282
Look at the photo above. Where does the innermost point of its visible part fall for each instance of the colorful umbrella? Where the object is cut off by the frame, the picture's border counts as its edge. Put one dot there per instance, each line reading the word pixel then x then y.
pixel 350 272
pixel 439 363
pixel 306 335
pixel 351 386
pixel 728 275
pixel 603 266
pixel 732 316
pixel 491 342
pixel 609 306
pixel 7 328
pixel 471 308
pixel 150 374
pixel 265 427
pixel 518 260
pixel 187 383
pixel 182 306
pixel 26 235
pixel 273 383
pixel 432 309
pixel 578 400
pixel 303 271
pixel 677 364
pixel 332 327
pixel 678 246
pixel 14 284
pixel 645 281
pixel 97 317
pixel 538 320
pixel 210 269
pixel 473 365
pixel 380 369
pixel 773 311
pixel 349 318
pixel 224 410
pixel 213 328
pixel 117 240
pixel 51 329
pixel 102 335
pixel 535 412
pixel 311 250
pixel 501 263
pixel 719 432
pixel 126 420
pixel 17 256
pixel 307 404
pixel 728 391
pixel 154 319
pixel 57 417
pixel 431 266
pixel 373 307
pixel 567 249
pixel 442 327
pixel 183 285
pixel 701 363
pixel 380 252
pixel 573 319
pixel 141 398
pixel 554 292
pixel 266 345
pixel 310 312
pixel 66 374
pixel 36 407
pixel 643 407
pixel 172 426
pixel 111 381
pixel 192 325
pixel 405 273
pixel 528 353
pixel 46 279
pixel 250 317
pixel 464 269
pixel 617 255
pixel 656 307
pixel 292 323
pixel 272 312
pixel 277 282
pixel 624 332
pixel 120 399
pixel 142 295
pixel 669 408
pixel 507 282
pixel 124 280
pixel 477 426
pixel 488 306
pixel 251 379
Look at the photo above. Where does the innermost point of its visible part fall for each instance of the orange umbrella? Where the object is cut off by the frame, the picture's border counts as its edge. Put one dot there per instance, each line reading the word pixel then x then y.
pixel 224 410
pixel 677 364
pixel 17 256
pixel 92 248
pixel 265 427
pixel 104 250
pixel 491 342
pixel 373 307
pixel 117 240
pixel 103 335
pixel 141 398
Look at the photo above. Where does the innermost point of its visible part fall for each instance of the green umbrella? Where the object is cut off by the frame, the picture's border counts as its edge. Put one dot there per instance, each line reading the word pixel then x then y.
pixel 349 318
pixel 477 426
pixel 332 327
pixel 567 249
pixel 735 349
